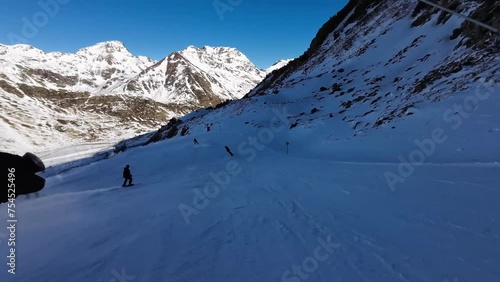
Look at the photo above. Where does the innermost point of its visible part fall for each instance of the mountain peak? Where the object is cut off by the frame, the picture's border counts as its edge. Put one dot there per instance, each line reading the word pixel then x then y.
pixel 21 46
pixel 192 47
pixel 112 44
pixel 107 47
pixel 278 65
pixel 20 50
pixel 210 49
pixel 210 53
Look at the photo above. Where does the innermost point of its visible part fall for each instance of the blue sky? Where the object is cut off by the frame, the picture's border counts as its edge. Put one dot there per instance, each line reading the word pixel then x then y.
pixel 264 30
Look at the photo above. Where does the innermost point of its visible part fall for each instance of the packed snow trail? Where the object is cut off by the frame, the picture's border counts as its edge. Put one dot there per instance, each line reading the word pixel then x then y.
pixel 271 216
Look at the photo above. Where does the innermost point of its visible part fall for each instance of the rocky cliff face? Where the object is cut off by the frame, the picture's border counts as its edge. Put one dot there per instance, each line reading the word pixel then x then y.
pixel 387 57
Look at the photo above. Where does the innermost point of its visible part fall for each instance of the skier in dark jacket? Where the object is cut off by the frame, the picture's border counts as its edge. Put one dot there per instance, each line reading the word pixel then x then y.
pixel 229 151
pixel 127 175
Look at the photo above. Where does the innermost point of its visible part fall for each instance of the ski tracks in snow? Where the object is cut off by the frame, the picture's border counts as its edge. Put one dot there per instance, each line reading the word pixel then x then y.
pixel 299 223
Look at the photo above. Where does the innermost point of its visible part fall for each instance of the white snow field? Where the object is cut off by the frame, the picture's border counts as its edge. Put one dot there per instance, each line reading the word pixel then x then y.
pixel 324 212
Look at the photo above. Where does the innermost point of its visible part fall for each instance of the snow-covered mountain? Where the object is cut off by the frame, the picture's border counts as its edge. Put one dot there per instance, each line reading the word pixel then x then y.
pixel 109 67
pixel 96 69
pixel 203 76
pixel 278 65
pixel 410 55
pixel 103 92
pixel 372 157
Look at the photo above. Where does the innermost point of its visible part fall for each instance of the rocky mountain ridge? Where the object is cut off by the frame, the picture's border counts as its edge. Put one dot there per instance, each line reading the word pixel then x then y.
pixel 103 92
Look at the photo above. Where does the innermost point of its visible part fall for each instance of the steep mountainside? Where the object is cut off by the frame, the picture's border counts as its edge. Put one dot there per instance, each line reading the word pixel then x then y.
pixel 379 60
pixel 372 67
pixel 204 76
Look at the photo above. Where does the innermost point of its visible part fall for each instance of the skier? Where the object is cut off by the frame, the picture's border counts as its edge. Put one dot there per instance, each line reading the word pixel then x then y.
pixel 229 151
pixel 195 141
pixel 127 175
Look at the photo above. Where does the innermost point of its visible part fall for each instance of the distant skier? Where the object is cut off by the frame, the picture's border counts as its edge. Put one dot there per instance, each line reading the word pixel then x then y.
pixel 127 175
pixel 229 151
pixel 196 142
pixel 208 127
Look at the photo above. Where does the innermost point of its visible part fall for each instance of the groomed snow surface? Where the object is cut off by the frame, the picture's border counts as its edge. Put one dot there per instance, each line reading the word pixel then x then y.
pixel 324 212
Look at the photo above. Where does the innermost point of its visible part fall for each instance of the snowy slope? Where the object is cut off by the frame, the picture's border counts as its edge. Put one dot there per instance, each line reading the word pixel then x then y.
pixel 273 212
pixel 401 62
pixel 50 121
pixel 407 194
